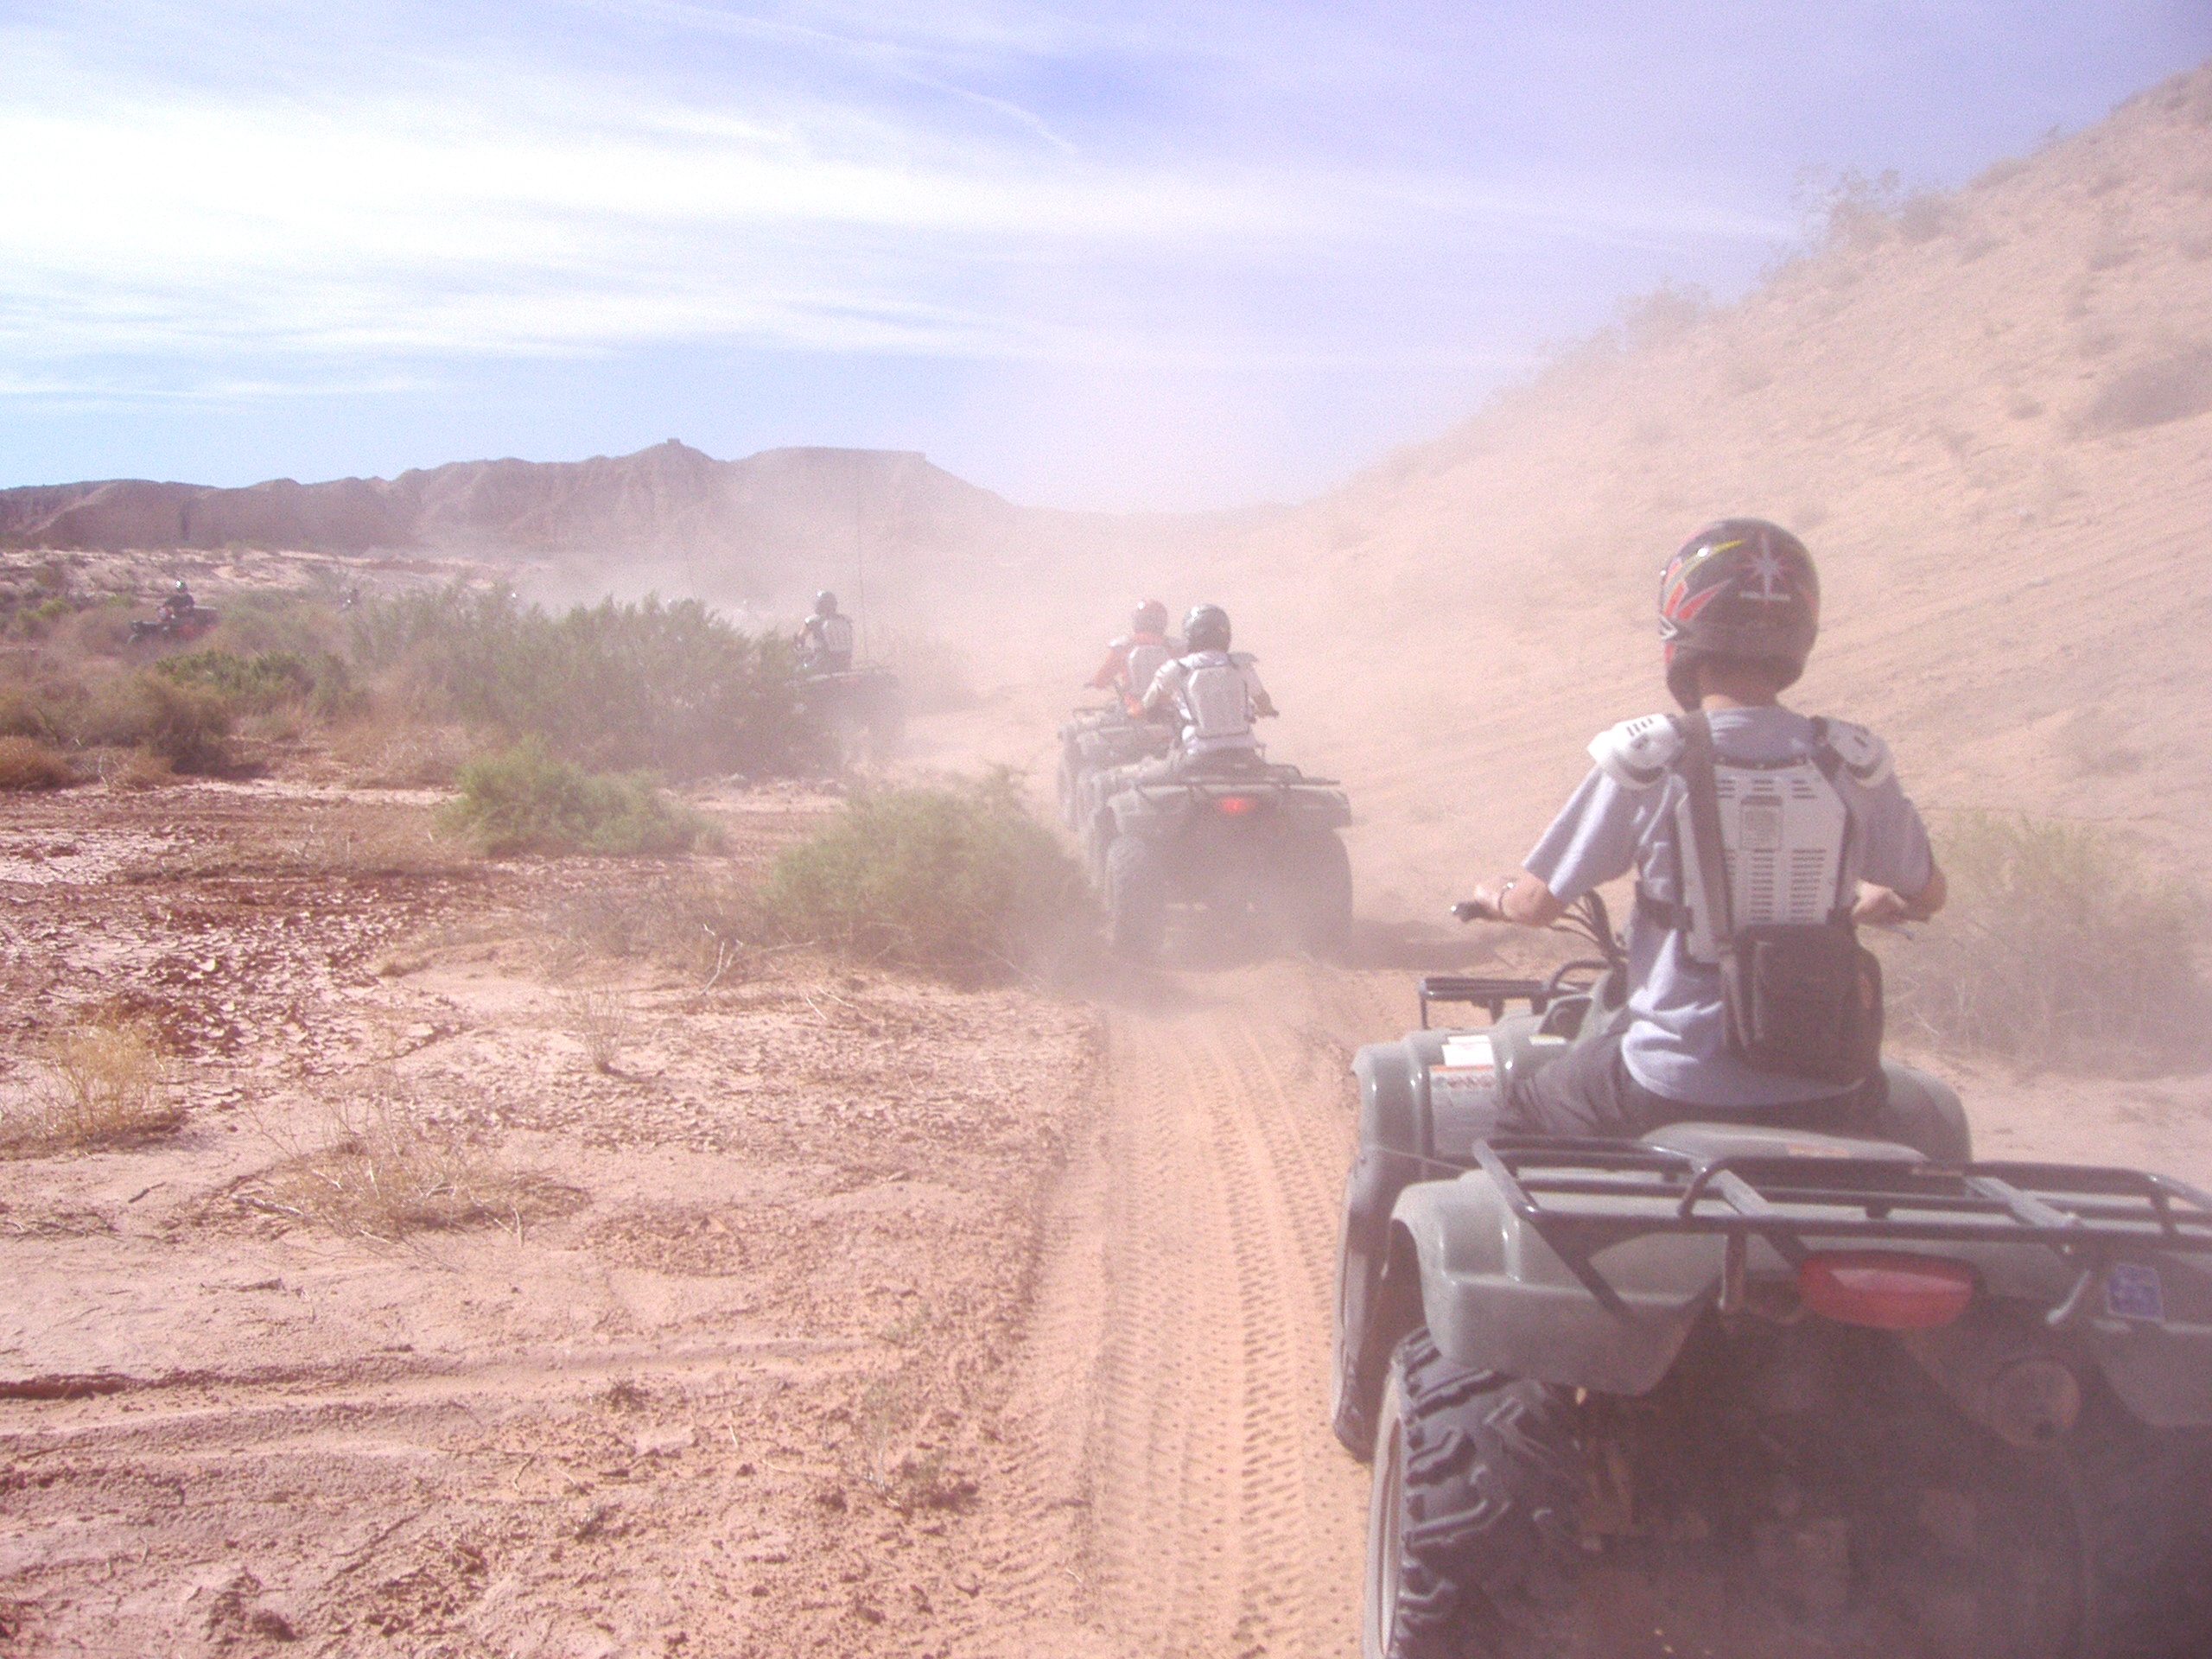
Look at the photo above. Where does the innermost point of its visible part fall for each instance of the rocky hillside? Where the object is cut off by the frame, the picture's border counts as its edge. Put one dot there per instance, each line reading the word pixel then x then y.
pixel 1990 414
pixel 758 528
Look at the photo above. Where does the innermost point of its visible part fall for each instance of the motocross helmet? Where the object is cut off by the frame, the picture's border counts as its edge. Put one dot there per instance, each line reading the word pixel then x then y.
pixel 1149 617
pixel 1206 628
pixel 1741 589
pixel 825 603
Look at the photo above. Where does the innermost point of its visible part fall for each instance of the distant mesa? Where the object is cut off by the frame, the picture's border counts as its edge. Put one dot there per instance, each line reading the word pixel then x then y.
pixel 667 500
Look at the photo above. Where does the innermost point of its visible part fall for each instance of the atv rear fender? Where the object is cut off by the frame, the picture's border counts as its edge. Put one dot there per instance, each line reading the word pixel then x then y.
pixel 1496 1296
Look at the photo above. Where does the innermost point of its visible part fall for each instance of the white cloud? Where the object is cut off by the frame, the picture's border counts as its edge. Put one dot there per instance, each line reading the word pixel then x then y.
pixel 443 202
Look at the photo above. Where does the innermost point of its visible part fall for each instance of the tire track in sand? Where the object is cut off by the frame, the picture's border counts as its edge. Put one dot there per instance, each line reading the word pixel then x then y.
pixel 1224 1519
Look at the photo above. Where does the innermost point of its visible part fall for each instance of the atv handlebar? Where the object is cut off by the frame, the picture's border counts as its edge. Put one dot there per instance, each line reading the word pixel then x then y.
pixel 1586 919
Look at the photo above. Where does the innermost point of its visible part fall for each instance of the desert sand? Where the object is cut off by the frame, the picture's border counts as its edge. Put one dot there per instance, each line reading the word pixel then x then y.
pixel 839 1312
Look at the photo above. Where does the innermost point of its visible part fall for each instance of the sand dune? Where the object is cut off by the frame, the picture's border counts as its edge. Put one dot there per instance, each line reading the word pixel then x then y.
pixel 1990 414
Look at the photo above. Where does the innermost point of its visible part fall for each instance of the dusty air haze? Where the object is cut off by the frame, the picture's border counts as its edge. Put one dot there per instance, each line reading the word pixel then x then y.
pixel 857 1313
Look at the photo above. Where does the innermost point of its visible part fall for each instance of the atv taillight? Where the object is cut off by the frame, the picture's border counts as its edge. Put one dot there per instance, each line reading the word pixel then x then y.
pixel 1886 1289
pixel 1233 805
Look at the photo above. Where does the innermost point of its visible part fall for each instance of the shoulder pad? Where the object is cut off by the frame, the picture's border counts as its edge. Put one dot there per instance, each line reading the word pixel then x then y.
pixel 1242 658
pixel 1865 758
pixel 1637 753
pixel 1121 642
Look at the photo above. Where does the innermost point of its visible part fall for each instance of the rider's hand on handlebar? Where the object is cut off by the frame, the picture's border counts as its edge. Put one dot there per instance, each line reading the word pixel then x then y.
pixel 1879 907
pixel 1481 908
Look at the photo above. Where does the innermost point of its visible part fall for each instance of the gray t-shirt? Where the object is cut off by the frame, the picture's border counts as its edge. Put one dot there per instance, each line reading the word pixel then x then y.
pixel 1677 1042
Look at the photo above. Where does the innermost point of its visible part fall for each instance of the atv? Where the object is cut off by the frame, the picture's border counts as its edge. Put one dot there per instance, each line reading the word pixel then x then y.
pixel 1096 738
pixel 1748 1391
pixel 852 717
pixel 1233 835
pixel 174 627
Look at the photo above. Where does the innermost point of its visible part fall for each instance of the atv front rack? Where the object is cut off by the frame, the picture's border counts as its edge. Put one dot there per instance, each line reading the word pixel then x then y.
pixel 1584 1197
pixel 1490 994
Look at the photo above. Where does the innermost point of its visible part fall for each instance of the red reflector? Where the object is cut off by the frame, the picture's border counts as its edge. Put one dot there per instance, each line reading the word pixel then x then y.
pixel 1235 804
pixel 1885 1289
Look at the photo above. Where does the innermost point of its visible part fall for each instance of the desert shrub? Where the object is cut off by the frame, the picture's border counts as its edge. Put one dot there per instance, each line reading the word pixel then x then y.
pixel 100 1085
pixel 255 624
pixel 2171 388
pixel 2057 949
pixel 26 763
pixel 185 725
pixel 673 687
pixel 526 800
pixel 267 680
pixel 38 712
pixel 957 881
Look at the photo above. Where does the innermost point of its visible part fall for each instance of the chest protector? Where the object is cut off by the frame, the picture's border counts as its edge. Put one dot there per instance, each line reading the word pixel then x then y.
pixel 838 634
pixel 1783 829
pixel 1216 705
pixel 1145 659
pixel 1764 874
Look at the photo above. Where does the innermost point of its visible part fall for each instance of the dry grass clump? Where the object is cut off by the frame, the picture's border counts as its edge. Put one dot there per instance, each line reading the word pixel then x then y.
pixel 100 1085
pixel 703 921
pixel 382 1167
pixel 388 750
pixel 2058 949
pixel 602 1022
pixel 26 763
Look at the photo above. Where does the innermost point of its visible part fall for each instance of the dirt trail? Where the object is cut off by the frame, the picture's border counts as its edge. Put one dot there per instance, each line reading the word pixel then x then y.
pixel 1193 1283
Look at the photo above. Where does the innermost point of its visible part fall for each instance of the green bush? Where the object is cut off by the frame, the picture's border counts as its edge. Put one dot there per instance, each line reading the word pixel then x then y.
pixel 185 725
pixel 2057 950
pixel 528 801
pixel 267 680
pixel 964 883
pixel 676 688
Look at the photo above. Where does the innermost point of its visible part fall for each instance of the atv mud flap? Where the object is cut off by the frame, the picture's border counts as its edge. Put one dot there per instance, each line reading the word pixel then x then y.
pixel 1498 1297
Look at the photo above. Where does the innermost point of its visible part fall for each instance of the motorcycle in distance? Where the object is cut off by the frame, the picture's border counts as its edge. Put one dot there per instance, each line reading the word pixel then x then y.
pixel 174 625
pixel 1751 1391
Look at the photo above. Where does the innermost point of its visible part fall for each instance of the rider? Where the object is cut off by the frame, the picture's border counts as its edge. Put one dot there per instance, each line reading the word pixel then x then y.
pixel 1133 659
pixel 178 602
pixel 1213 693
pixel 825 639
pixel 1818 816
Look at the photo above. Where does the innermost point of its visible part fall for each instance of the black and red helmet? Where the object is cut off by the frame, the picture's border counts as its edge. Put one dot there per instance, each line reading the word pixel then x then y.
pixel 1149 617
pixel 1742 589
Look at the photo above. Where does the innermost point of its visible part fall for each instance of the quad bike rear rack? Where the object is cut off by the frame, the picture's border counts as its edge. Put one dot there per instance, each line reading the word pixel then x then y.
pixel 2085 1214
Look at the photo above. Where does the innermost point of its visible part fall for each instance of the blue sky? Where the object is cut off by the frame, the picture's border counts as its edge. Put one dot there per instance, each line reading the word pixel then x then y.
pixel 1124 255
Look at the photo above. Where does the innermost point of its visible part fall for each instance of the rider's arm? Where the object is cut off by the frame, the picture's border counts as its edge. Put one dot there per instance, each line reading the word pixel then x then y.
pixel 1161 691
pixel 1262 704
pixel 1593 840
pixel 1900 880
pixel 1520 898
pixel 1879 907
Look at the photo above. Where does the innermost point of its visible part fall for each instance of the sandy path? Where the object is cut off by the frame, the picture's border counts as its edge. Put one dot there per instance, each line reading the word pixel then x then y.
pixel 1187 1313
